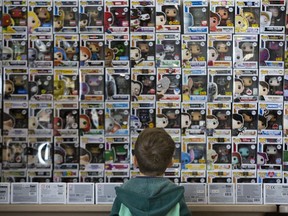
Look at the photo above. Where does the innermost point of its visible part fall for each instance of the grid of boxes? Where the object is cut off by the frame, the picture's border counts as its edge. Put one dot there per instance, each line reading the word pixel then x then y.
pixel 81 80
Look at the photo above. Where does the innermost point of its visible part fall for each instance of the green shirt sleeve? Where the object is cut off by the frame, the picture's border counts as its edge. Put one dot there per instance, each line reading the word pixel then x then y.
pixel 184 211
pixel 115 208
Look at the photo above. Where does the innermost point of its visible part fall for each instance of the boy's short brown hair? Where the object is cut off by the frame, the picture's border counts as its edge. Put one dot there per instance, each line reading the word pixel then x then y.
pixel 154 149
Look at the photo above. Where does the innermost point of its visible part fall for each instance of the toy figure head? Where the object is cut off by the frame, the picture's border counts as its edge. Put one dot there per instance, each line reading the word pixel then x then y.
pixel 163 85
pixel 168 46
pixel 271 150
pixel 41 46
pixel 94 47
pixel 195 49
pixel 262 123
pixel 85 53
pixel 247 81
pixel 160 19
pixel 6 20
pixel 59 154
pixel 109 54
pixel 236 158
pixel 250 17
pixel 59 88
pixel 33 122
pixel 211 122
pixel 161 121
pixel 247 117
pixel 185 120
pixel 264 55
pixel 262 158
pixel 58 21
pixel 111 126
pixel 9 87
pixel 33 20
pixel 265 19
pixel 85 156
pixel 274 82
pixel 108 20
pixel 17 13
pixel 186 55
pixel 212 54
pixel 136 88
pixel 244 151
pixel 247 47
pixel 221 115
pixel 69 15
pixel 8 121
pixel 171 11
pixel 237 121
pixel 84 20
pixel 85 123
pixel 120 13
pixel 43 14
pixel 135 54
pixel 185 159
pixel 144 47
pixel 160 52
pixel 196 116
pixel 59 54
pixel 274 10
pixel 223 12
pixel 222 47
pixel 214 20
pixel 263 88
pixel 212 156
pixel 238 86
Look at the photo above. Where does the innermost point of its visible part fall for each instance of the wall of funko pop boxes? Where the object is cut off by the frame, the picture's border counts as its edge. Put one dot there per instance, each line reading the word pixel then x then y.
pixel 82 78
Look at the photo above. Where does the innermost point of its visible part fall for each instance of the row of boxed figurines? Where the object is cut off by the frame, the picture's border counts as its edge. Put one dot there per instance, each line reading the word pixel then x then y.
pixel 149 50
pixel 120 119
pixel 113 16
pixel 104 193
pixel 145 85
pixel 98 159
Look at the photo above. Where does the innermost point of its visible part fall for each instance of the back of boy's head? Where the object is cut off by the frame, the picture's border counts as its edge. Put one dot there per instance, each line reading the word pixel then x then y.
pixel 154 149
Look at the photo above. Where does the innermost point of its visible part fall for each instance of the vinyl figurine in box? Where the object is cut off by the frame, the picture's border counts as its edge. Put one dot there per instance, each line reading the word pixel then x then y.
pixel 244 153
pixel 173 118
pixel 238 86
pixel 237 124
pixel 121 16
pixel 84 21
pixel 161 121
pixel 249 119
pixel 212 123
pixel 275 84
pixel 263 89
pixel 44 50
pixel 108 21
pixel 171 14
pixel 85 157
pixel 251 17
pixel 8 121
pixel 224 14
pixel 44 15
pixel 8 89
pixel 214 21
pixel 262 123
pixel 136 89
pixel 162 86
pixel 84 124
pixel 58 21
pixel 271 152
pixel 96 51
pixel 85 54
pixel 135 56
pixel 262 158
pixel 236 160
pixel 94 16
pixel 248 51
pixel 169 49
pixel 278 16
pixel 223 50
pixel 185 121
pixel 212 55
pixel 248 82
pixel 241 24
pixel 70 50
pixel 275 52
pixel 160 20
pixel 59 56
pixel 33 21
pixel 195 50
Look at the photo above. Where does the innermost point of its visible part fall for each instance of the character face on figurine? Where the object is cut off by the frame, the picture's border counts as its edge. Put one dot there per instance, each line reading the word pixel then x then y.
pixel 247 47
pixel 135 53
pixel 273 81
pixel 241 24
pixel 161 121
pixel 214 21
pixel 171 12
pixel 85 123
pixel 160 52
pixel 136 88
pixel 144 47
pixel 33 21
pixel 271 150
pixel 185 120
pixel 160 19
pixel 163 85
pixel 212 54
pixel 8 121
pixel 85 53
pixel 222 47
pixel 263 88
pixel 223 12
pixel 247 81
pixel 43 14
pixel 262 158
pixel 262 123
pixel 239 86
pixel 264 19
pixel 211 122
pixel 250 17
pixel 84 21
pixel 247 117
pixel 244 151
pixel 237 121
pixel 195 49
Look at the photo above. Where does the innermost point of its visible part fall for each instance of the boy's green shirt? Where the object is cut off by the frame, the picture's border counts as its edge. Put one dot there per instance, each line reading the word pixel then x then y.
pixel 149 196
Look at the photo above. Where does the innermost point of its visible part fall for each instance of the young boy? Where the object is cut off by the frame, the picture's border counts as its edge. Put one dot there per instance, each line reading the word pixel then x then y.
pixel 151 194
